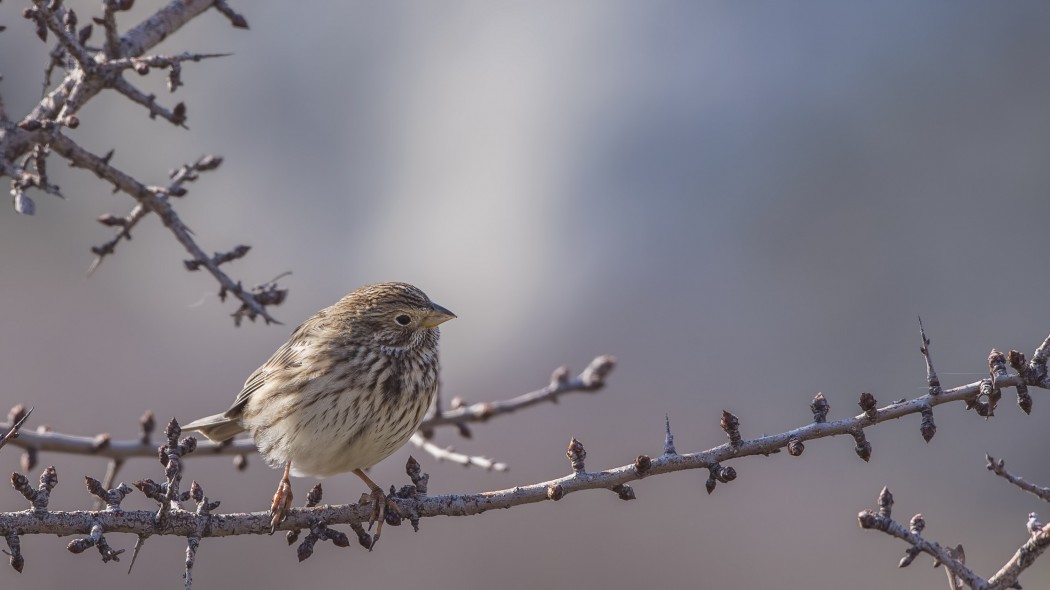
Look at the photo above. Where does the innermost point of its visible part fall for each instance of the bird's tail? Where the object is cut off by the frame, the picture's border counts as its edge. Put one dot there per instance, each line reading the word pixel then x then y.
pixel 217 428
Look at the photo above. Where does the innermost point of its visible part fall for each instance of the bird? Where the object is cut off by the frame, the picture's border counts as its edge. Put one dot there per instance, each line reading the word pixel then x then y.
pixel 346 390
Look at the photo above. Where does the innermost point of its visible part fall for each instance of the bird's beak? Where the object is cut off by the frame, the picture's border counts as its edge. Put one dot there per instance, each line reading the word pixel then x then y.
pixel 437 316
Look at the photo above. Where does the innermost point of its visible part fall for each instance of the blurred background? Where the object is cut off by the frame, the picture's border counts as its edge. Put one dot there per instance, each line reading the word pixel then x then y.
pixel 746 203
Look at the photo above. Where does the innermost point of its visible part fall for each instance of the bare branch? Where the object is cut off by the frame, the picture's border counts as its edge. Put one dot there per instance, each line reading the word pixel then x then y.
pixel 953 559
pixel 590 380
pixel 448 454
pixel 157 201
pixel 580 479
pixel 176 117
pixel 881 521
pixel 89 71
pixel 998 467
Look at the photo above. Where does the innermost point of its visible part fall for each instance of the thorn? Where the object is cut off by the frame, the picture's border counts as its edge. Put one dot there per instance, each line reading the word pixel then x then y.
pixel 931 375
pixel 668 437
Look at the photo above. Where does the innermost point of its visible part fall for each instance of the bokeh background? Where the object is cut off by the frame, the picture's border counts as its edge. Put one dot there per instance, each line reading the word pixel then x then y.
pixel 746 203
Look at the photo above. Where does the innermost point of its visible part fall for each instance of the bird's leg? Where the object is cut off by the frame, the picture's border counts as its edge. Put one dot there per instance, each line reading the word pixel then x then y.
pixel 282 500
pixel 380 504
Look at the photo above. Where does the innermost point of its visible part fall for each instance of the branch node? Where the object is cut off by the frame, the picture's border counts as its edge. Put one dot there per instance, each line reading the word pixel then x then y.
pixel 997 367
pixel 100 442
pixel 1034 525
pixel 576 454
pixel 731 425
pixel 917 524
pixel 717 473
pixel 820 408
pixel 868 405
pixel 985 401
pixel 624 491
pixel 14 551
pixel 147 423
pixel 885 503
pixel 594 375
pixel 112 498
pixel 320 532
pixel 927 426
pixel 29 459
pixel 419 479
pixel 642 465
pixel 95 539
pixel 559 378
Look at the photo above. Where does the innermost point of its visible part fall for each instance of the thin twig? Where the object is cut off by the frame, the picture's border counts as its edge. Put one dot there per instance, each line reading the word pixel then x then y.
pixel 447 454
pixel 12 432
pixel 112 468
pixel 151 198
pixel 590 380
pixel 998 467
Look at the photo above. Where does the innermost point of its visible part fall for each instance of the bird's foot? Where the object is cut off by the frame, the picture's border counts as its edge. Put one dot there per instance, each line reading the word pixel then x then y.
pixel 282 502
pixel 380 505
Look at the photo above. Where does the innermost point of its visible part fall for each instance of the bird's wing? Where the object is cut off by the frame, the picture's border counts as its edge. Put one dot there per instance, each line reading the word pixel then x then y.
pixel 290 354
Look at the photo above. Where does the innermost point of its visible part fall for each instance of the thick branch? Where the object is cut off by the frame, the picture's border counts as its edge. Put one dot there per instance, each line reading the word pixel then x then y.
pixel 1021 560
pixel 186 523
pixel 164 23
pixel 183 523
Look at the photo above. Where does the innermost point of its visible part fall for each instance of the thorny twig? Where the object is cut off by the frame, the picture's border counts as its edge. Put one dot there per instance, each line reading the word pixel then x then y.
pixel 121 450
pixel 25 146
pixel 184 523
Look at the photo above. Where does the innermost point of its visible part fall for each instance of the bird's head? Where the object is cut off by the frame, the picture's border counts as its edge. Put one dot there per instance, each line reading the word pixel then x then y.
pixel 399 315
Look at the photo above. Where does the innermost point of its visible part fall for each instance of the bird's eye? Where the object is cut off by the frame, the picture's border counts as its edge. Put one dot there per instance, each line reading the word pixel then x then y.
pixel 403 319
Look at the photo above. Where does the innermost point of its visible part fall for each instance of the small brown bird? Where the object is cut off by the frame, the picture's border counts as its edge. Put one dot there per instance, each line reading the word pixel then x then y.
pixel 349 388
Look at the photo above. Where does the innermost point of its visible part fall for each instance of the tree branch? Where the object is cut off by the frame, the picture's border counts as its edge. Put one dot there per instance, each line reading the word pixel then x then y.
pixel 590 380
pixel 90 71
pixel 465 504
pixel 413 503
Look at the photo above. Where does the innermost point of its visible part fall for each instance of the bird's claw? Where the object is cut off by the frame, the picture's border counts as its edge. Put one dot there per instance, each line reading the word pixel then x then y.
pixel 282 502
pixel 380 505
